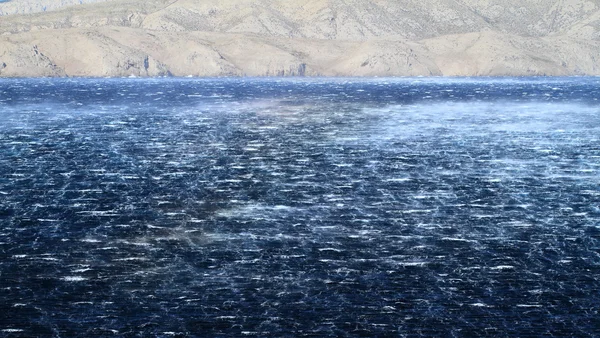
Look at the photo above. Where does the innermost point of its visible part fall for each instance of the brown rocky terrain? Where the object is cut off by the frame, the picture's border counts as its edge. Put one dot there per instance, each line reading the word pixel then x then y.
pixel 302 37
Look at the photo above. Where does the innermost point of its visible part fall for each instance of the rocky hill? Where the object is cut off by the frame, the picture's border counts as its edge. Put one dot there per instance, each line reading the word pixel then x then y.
pixel 301 37
pixel 12 7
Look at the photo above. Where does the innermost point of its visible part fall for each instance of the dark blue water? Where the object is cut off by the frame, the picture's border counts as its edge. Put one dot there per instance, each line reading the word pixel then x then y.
pixel 284 208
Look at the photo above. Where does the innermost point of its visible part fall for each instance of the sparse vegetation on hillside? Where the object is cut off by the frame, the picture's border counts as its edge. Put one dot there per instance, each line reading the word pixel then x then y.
pixel 304 37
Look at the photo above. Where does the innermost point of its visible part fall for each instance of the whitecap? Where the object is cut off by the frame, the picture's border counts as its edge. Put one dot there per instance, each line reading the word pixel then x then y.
pixel 73 279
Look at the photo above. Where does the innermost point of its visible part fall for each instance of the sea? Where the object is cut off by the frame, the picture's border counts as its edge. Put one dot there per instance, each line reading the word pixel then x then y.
pixel 300 207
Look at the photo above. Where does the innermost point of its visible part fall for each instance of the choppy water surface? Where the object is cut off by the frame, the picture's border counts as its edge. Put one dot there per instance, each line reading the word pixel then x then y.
pixel 346 207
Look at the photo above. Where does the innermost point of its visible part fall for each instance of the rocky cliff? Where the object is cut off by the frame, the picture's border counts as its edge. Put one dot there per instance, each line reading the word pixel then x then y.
pixel 299 38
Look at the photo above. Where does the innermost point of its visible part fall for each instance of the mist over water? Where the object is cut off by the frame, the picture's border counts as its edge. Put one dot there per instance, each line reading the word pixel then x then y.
pixel 300 207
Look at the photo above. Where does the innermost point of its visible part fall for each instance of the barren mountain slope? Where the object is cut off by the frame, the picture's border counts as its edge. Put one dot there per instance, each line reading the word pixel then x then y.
pixel 10 7
pixel 304 37
pixel 128 13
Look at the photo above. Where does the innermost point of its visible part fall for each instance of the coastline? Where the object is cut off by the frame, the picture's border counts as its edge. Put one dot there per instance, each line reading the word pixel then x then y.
pixel 317 78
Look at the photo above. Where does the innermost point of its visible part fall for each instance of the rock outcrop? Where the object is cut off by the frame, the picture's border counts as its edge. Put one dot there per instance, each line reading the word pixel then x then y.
pixel 299 38
pixel 12 7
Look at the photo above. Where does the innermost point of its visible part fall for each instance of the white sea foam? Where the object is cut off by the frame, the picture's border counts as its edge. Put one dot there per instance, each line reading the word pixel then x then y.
pixel 74 279
pixel 480 305
pixel 398 122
